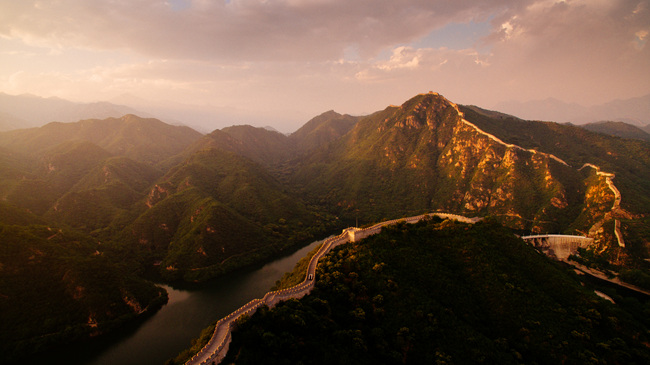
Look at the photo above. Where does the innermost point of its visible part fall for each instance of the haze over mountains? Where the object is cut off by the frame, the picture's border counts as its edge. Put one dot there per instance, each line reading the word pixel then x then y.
pixel 25 111
pixel 635 111
pixel 620 129
pixel 149 199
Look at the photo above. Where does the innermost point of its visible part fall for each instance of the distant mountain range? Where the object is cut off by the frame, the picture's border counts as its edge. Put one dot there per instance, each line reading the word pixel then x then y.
pixel 26 111
pixel 148 199
pixel 620 129
pixel 634 111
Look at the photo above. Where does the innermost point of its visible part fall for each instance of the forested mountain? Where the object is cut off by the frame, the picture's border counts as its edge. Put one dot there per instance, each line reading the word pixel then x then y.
pixel 619 129
pixel 56 171
pixel 323 129
pixel 149 199
pixel 26 111
pixel 60 194
pixel 107 191
pixel 633 111
pixel 429 155
pixel 628 158
pixel 13 167
pixel 271 148
pixel 142 139
pixel 217 211
pixel 58 285
pixel 623 165
pixel 442 292
pixel 261 145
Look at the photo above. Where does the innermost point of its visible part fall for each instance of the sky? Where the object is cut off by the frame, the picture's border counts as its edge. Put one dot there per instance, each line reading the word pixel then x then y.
pixel 281 62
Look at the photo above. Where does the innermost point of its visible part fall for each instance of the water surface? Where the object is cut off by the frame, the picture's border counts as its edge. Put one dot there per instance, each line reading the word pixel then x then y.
pixel 170 330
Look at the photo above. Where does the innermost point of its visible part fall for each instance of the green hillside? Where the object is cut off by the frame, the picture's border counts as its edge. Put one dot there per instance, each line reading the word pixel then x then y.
pixel 628 159
pixel 58 286
pixel 261 145
pixel 142 139
pixel 618 129
pixel 444 293
pixel 14 167
pixel 265 147
pixel 136 197
pixel 421 157
pixel 216 211
pixel 322 129
pixel 107 191
pixel 12 215
pixel 59 168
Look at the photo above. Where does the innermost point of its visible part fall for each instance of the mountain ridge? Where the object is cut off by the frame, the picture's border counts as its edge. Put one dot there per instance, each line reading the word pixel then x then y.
pixel 179 205
pixel 322 129
pixel 618 129
pixel 386 156
pixel 146 139
pixel 36 111
pixel 635 111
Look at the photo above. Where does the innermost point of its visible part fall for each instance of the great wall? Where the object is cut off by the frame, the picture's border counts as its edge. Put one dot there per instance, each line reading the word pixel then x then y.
pixel 217 347
pixel 617 200
pixel 606 175
pixel 559 246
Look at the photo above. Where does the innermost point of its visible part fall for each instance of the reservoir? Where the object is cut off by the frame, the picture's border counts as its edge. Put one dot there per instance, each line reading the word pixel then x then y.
pixel 170 330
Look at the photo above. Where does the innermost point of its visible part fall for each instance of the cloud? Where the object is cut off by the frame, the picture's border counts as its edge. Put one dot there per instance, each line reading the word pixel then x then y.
pixel 420 61
pixel 581 49
pixel 250 30
pixel 352 56
pixel 403 57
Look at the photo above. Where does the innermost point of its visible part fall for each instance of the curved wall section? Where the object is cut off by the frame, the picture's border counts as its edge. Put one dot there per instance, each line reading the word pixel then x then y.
pixel 215 350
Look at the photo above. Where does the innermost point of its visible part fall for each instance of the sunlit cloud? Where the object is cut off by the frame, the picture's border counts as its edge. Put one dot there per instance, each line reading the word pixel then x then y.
pixel 352 56
pixel 242 29
pixel 641 39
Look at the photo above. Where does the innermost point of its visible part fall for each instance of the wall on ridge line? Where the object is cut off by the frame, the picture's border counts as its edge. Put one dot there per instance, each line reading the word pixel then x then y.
pixel 351 234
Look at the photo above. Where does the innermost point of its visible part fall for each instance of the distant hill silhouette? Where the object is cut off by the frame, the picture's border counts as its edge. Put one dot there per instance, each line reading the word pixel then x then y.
pixel 323 129
pixel 619 129
pixel 143 139
pixel 26 111
pixel 635 111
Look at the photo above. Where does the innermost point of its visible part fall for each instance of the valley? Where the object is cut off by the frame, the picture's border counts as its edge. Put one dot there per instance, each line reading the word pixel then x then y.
pixel 107 207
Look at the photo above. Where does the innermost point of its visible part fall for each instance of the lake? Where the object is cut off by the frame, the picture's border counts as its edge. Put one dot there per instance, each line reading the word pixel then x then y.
pixel 170 330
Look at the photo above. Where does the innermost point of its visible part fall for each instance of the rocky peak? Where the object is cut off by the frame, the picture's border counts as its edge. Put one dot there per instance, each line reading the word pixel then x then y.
pixel 430 110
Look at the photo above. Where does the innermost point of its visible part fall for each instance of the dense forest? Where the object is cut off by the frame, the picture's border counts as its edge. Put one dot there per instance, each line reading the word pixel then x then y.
pixel 57 287
pixel 93 213
pixel 443 292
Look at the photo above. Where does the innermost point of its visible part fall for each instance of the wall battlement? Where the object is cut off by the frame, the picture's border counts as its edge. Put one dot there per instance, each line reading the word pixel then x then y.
pixel 217 347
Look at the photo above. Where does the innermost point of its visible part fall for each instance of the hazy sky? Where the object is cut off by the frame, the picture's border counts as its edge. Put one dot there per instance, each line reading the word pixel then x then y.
pixel 304 57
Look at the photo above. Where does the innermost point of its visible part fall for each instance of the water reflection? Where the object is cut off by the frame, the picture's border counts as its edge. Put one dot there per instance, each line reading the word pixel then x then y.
pixel 188 311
